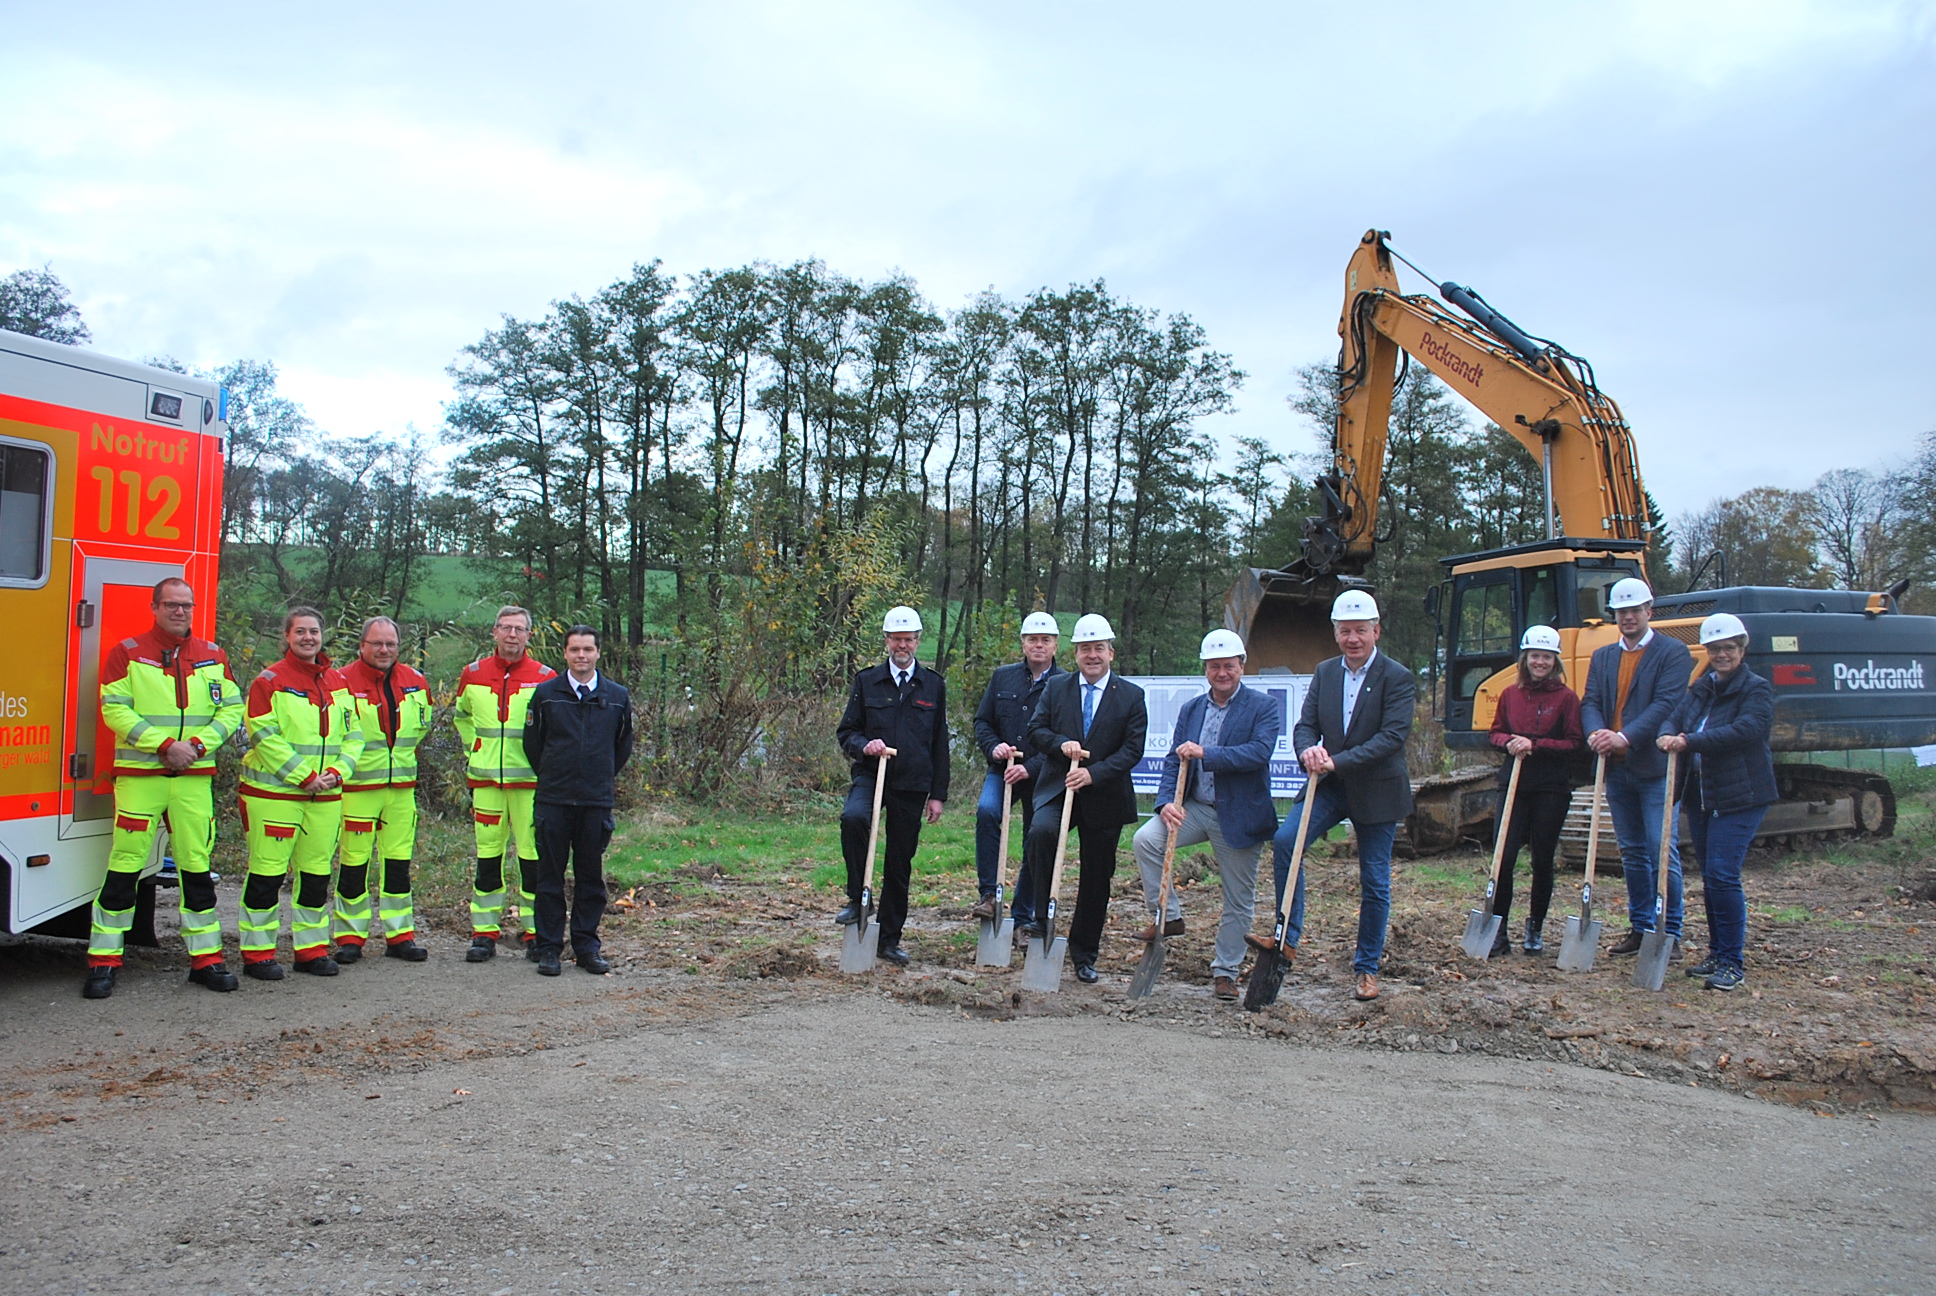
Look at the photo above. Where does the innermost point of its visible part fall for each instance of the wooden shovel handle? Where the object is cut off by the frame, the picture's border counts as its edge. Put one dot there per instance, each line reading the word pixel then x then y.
pixel 1504 823
pixel 1001 851
pixel 1062 836
pixel 1169 848
pixel 874 821
pixel 1297 849
pixel 1667 812
pixel 1593 828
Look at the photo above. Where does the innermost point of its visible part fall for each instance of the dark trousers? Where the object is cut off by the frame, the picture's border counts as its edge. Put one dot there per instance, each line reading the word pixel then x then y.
pixel 578 834
pixel 1096 866
pixel 901 813
pixel 1537 818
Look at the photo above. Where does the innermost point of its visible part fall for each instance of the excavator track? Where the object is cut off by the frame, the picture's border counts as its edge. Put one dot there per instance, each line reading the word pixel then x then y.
pixel 1869 798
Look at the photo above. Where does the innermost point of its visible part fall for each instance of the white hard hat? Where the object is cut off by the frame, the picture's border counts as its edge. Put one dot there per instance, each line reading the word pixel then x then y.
pixel 1092 628
pixel 1355 605
pixel 1629 591
pixel 1722 625
pixel 1040 623
pixel 1221 643
pixel 1542 638
pixel 900 620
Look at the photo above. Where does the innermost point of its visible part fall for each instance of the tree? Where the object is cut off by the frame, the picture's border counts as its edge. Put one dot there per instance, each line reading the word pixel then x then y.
pixel 36 303
pixel 1767 534
pixel 1863 521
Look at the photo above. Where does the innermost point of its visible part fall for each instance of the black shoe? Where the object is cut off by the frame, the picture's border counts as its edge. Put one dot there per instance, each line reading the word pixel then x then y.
pixel 849 916
pixel 215 976
pixel 407 950
pixel 483 949
pixel 548 963
pixel 347 954
pixel 267 970
pixel 531 949
pixel 1087 974
pixel 594 963
pixel 99 983
pixel 894 954
pixel 1028 930
pixel 1628 944
pixel 322 965
pixel 1501 944
pixel 1535 941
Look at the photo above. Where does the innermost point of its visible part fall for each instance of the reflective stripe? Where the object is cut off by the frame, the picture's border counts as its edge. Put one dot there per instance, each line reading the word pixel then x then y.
pixel 308 928
pixel 259 927
pixel 140 727
pixel 311 749
pixel 201 929
pixel 179 717
pixel 352 915
pixel 267 729
pixel 482 732
pixel 398 921
pixel 407 742
pixel 110 934
pixel 132 756
pixel 289 767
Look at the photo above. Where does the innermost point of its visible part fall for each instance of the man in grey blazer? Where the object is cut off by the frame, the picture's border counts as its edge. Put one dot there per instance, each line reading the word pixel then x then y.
pixel 1356 719
pixel 1633 687
pixel 1228 735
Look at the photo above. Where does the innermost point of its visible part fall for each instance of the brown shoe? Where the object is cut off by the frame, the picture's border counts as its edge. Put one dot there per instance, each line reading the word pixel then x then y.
pixel 1262 944
pixel 1225 988
pixel 1174 927
pixel 985 909
pixel 1367 986
pixel 1628 944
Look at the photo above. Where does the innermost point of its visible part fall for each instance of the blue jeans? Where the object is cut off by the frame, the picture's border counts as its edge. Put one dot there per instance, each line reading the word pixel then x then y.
pixel 988 839
pixel 1721 841
pixel 1374 870
pixel 1636 805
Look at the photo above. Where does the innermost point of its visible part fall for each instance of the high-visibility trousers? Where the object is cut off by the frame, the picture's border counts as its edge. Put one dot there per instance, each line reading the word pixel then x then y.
pixel 186 803
pixel 380 823
pixel 499 812
pixel 281 833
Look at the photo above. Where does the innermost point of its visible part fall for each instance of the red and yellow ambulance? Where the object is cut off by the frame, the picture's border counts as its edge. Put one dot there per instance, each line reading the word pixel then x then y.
pixel 110 479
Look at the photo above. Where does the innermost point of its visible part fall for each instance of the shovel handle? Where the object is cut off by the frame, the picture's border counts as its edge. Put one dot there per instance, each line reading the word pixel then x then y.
pixel 1297 850
pixel 1502 829
pixel 1667 812
pixel 1169 847
pixel 1001 851
pixel 874 820
pixel 1593 826
pixel 1062 835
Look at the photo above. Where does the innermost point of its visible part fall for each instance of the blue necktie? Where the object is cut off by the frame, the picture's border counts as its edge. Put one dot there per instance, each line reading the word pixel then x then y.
pixel 1088 707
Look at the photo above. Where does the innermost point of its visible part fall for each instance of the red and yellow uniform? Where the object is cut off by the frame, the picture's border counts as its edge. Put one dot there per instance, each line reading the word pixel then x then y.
pixel 492 697
pixel 157 691
pixel 380 801
pixel 302 723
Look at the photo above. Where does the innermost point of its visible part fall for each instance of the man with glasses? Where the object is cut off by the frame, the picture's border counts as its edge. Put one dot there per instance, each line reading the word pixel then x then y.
pixel 380 798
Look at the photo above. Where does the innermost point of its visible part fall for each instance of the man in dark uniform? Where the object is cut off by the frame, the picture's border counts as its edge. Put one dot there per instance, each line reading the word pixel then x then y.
pixel 1098 711
pixel 577 736
pixel 1001 731
pixel 904 705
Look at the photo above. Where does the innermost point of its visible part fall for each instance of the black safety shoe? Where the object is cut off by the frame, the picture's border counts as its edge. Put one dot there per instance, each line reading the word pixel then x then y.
pixel 849 916
pixel 215 976
pixel 1628 944
pixel 894 954
pixel 267 970
pixel 1087 974
pixel 594 963
pixel 548 964
pixel 407 950
pixel 1501 944
pixel 99 983
pixel 483 949
pixel 349 953
pixel 322 965
pixel 530 948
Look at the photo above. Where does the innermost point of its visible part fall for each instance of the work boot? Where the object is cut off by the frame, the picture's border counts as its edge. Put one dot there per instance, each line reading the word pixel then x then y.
pixel 1224 988
pixel 548 964
pixel 266 970
pixel 1706 968
pixel 984 908
pixel 1628 944
pixel 1174 927
pixel 407 950
pixel 1501 944
pixel 1535 941
pixel 1262 944
pixel 99 983
pixel 593 962
pixel 348 953
pixel 322 965
pixel 483 949
pixel 894 954
pixel 530 947
pixel 215 976
pixel 1367 987
pixel 849 916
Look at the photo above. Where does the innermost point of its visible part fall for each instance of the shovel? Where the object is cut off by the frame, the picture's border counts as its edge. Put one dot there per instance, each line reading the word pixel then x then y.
pixel 995 943
pixel 1482 925
pixel 860 941
pixel 1042 967
pixel 1582 940
pixel 1151 967
pixel 1267 977
pixel 1656 947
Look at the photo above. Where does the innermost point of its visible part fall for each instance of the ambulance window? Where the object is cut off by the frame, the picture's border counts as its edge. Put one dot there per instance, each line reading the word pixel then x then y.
pixel 23 514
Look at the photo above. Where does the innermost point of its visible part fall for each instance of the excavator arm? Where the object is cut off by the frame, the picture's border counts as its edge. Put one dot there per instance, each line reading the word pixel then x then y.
pixel 1538 392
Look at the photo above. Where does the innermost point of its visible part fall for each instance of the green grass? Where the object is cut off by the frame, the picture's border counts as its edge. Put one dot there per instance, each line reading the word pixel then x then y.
pixel 1786 914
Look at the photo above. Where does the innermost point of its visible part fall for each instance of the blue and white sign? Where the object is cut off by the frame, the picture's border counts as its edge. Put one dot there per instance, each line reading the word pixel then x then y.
pixel 1165 696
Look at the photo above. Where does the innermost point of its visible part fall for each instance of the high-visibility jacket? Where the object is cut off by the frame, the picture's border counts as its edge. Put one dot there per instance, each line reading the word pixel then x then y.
pixel 302 721
pixel 157 690
pixel 393 708
pixel 492 698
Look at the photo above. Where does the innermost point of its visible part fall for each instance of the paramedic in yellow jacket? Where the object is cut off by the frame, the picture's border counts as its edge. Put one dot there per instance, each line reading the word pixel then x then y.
pixel 171 702
pixel 493 694
pixel 304 740
pixel 380 798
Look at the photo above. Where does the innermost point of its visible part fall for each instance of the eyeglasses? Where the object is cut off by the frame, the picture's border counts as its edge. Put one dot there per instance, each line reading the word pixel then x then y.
pixel 176 607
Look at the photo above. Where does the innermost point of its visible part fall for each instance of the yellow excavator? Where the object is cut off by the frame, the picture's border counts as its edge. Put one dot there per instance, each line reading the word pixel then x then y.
pixel 1850 671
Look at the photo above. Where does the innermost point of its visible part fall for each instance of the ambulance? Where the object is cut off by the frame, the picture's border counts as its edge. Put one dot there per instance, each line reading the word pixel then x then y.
pixel 110 480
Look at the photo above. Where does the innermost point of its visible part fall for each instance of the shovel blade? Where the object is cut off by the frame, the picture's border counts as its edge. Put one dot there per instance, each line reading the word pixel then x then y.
pixel 1580 944
pixel 995 943
pixel 858 947
pixel 1266 979
pixel 1481 930
pixel 1147 970
pixel 1650 971
pixel 1042 967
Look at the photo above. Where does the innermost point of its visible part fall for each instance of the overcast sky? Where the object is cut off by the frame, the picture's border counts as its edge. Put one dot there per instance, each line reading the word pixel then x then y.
pixel 1725 206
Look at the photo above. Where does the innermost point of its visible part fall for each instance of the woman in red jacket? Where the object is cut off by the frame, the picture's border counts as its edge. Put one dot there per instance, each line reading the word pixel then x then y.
pixel 1538 719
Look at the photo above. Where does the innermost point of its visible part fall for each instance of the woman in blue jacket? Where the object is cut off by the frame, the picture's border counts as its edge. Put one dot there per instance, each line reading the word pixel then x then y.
pixel 1721 728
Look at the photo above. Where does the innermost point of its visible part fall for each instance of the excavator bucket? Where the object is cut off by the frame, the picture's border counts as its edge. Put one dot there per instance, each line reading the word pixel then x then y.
pixel 1283 619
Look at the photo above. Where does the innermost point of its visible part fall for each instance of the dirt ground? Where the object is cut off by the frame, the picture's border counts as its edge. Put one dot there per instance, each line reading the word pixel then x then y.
pixel 727 1112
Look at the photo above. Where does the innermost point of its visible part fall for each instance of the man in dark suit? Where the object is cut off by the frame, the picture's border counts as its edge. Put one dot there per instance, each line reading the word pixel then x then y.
pixel 904 705
pixel 1001 731
pixel 1633 687
pixel 1228 735
pixel 577 737
pixel 1356 719
pixel 1097 711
